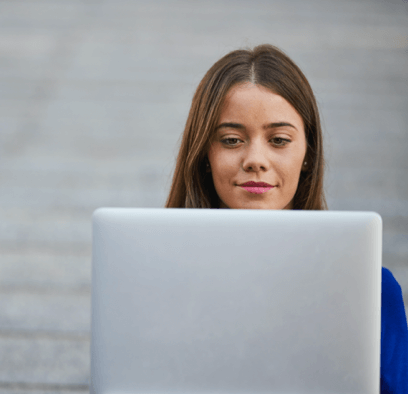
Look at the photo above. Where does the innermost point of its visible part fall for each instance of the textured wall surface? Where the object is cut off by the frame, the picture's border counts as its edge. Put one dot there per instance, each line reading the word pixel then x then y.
pixel 94 95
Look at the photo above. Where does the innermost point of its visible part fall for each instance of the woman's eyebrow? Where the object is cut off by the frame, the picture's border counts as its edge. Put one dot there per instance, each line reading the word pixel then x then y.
pixel 230 125
pixel 242 127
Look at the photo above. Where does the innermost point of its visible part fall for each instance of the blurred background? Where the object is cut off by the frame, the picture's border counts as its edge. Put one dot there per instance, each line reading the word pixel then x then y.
pixel 94 95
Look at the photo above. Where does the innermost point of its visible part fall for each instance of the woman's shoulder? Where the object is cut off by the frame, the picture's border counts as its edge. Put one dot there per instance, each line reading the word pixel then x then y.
pixel 391 290
pixel 394 337
pixel 388 278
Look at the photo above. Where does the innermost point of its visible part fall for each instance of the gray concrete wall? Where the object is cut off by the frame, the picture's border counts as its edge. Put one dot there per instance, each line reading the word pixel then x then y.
pixel 93 100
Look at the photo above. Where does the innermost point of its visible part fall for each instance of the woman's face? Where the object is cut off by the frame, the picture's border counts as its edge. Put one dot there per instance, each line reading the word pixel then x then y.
pixel 259 137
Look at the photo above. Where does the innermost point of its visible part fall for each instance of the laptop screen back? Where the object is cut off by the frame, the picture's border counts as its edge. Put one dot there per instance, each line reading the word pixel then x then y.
pixel 235 301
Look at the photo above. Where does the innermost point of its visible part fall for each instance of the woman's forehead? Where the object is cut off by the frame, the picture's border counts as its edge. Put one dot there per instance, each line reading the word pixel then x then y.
pixel 248 86
pixel 247 100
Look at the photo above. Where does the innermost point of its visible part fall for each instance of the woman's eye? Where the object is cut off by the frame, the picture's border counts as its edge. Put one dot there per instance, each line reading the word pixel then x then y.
pixel 278 141
pixel 229 139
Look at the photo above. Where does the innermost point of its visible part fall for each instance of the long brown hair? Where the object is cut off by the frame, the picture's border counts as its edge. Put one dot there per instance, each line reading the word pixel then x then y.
pixel 265 65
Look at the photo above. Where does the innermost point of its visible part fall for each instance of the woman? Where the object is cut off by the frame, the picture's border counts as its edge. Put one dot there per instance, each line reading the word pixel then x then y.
pixel 253 140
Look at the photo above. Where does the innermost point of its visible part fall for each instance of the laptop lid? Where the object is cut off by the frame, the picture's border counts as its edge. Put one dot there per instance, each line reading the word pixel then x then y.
pixel 235 301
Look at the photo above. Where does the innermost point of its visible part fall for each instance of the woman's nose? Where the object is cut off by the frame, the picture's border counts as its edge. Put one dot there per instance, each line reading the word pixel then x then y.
pixel 256 157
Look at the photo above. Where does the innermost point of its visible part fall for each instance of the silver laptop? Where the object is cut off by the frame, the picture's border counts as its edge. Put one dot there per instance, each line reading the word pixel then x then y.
pixel 231 301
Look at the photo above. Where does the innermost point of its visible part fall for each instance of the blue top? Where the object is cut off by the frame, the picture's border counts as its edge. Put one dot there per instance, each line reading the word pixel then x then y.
pixel 394 337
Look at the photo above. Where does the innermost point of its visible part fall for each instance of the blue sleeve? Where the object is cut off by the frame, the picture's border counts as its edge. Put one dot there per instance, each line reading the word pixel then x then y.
pixel 394 337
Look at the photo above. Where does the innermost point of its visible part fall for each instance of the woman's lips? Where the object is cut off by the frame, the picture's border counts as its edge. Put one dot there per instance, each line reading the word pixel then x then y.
pixel 257 189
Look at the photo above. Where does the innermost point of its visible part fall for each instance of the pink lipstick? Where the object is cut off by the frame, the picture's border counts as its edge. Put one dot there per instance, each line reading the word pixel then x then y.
pixel 256 187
